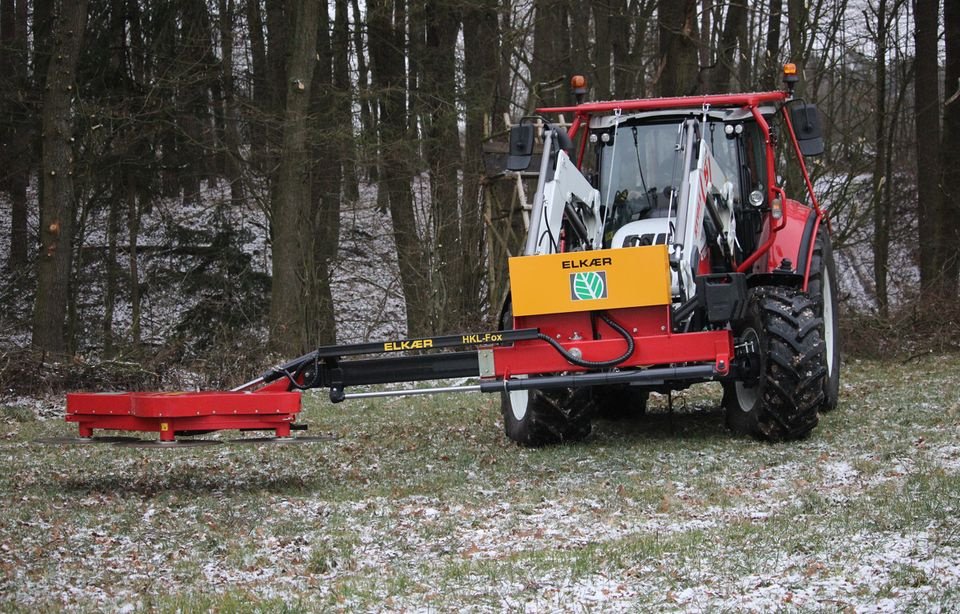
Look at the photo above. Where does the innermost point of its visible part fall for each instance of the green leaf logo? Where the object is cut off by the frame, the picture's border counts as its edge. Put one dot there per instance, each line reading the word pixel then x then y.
pixel 588 286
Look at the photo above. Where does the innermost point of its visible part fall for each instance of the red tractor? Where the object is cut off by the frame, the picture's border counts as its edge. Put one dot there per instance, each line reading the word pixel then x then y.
pixel 662 252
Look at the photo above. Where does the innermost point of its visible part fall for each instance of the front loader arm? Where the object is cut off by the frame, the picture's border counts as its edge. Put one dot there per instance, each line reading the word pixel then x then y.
pixel 567 192
pixel 706 192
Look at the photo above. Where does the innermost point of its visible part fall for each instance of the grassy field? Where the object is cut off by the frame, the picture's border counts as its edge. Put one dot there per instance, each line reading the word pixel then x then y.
pixel 421 503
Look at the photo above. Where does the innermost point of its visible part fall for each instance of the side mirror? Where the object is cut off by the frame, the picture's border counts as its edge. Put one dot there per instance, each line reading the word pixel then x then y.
pixel 521 147
pixel 808 128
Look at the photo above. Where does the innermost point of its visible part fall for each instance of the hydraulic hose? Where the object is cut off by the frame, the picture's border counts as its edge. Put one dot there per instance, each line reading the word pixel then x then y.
pixel 591 364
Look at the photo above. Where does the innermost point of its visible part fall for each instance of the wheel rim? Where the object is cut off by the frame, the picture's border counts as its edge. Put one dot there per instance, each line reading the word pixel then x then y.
pixel 748 396
pixel 828 331
pixel 518 402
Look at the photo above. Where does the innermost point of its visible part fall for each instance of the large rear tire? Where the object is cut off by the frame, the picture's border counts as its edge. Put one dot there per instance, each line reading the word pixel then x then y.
pixel 823 288
pixel 782 402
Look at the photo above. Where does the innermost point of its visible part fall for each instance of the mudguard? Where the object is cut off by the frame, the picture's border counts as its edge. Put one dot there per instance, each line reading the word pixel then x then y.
pixel 793 242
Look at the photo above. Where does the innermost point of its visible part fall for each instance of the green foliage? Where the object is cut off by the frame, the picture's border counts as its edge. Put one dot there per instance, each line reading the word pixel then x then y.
pixel 226 298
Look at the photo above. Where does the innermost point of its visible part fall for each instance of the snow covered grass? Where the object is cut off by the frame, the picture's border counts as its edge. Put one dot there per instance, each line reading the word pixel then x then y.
pixel 422 504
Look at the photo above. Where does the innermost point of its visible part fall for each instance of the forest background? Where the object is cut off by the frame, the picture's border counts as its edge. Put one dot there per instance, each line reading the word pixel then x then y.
pixel 209 155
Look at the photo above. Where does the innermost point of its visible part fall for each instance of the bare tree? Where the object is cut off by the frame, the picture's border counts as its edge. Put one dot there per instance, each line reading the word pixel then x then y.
pixel 290 215
pixel 950 146
pixel 15 156
pixel 58 199
pixel 385 24
pixel 927 121
pixel 677 72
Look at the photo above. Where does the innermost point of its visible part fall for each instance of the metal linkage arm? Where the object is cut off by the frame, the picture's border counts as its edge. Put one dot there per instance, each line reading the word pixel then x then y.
pixel 323 368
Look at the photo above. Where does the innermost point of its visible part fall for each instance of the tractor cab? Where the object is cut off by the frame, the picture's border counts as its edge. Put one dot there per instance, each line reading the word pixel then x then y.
pixel 638 167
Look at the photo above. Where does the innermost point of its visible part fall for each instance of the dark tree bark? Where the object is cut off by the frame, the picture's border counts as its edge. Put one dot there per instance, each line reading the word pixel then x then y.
pixel 771 57
pixel 232 159
pixel 481 55
pixel 624 71
pixel 548 68
pixel 292 257
pixel 629 51
pixel 343 101
pixel 112 273
pixel 42 24
pixel 15 122
pixel 734 29
pixel 950 147
pixel 707 33
pixel 326 176
pixel 58 201
pixel 678 47
pixel 133 263
pixel 367 121
pixel 193 75
pixel 442 148
pixel 261 86
pixel 881 216
pixel 578 60
pixel 927 121
pixel 386 39
pixel 798 32
pixel 602 48
pixel 416 19
pixel 279 29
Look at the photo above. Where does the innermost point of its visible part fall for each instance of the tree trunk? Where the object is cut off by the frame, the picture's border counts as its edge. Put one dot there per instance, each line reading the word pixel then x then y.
pixel 112 273
pixel 326 175
pixel 58 201
pixel 232 163
pixel 292 258
pixel 624 71
pixel 771 58
pixel 480 81
pixel 578 60
pixel 797 32
pixel 881 217
pixel 602 48
pixel 193 88
pixel 927 121
pixel 706 48
pixel 345 144
pixel 133 263
pixel 261 87
pixel 551 37
pixel 367 120
pixel 678 47
pixel 443 156
pixel 386 38
pixel 950 147
pixel 15 150
pixel 734 29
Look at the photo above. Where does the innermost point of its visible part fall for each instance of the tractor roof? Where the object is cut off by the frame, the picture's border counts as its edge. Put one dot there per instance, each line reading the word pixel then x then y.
pixel 678 102
pixel 600 122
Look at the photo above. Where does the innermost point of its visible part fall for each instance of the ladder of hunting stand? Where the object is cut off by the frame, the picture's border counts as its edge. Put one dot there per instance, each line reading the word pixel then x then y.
pixel 505 236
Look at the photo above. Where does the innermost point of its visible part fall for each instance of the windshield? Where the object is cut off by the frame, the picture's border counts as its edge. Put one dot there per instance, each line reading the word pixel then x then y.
pixel 640 162
pixel 641 169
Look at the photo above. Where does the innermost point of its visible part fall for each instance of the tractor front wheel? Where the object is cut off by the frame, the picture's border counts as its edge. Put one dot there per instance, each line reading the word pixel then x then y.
pixel 536 418
pixel 781 401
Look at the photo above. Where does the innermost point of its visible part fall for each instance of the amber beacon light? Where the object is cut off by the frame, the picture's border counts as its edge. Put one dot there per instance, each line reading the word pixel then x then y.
pixel 790 76
pixel 579 85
